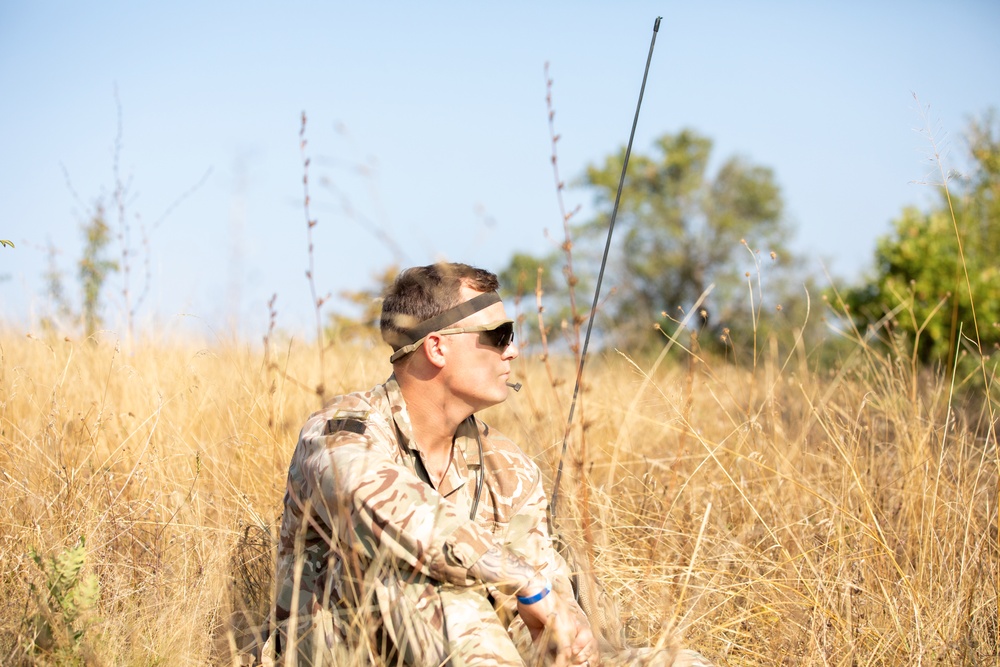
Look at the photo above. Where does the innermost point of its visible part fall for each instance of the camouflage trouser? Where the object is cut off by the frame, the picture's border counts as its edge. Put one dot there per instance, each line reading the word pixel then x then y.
pixel 446 626
pixel 649 657
pixel 475 638
pixel 422 624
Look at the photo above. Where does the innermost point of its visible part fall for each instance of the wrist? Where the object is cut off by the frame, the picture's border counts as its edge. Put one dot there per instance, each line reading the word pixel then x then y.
pixel 534 591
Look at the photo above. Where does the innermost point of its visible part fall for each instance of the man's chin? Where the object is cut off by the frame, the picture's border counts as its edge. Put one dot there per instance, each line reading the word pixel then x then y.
pixel 501 395
pixel 497 397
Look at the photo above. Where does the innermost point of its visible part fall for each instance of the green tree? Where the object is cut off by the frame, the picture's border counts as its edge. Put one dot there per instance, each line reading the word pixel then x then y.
pixel 935 276
pixel 363 325
pixel 681 230
pixel 521 276
pixel 94 268
pixel 527 277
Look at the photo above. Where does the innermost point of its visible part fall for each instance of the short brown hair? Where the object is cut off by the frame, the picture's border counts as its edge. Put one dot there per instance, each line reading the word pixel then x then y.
pixel 422 292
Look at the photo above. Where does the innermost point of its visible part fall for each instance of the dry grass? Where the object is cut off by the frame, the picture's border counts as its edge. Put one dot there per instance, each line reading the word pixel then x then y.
pixel 766 515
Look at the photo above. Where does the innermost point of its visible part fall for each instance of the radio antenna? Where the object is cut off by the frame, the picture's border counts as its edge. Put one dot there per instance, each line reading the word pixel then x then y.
pixel 600 279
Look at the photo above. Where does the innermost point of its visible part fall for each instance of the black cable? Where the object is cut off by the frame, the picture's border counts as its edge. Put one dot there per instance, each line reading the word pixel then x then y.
pixel 482 470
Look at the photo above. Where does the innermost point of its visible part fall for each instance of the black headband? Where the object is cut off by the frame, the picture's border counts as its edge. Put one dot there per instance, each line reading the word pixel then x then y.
pixel 450 316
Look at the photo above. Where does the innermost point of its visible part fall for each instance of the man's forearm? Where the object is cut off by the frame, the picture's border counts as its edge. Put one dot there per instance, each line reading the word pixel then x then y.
pixel 509 572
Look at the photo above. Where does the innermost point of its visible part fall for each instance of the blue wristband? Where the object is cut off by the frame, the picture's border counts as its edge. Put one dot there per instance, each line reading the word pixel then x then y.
pixel 532 599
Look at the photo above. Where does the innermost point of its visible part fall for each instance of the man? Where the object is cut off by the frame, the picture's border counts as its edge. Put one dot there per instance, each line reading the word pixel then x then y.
pixel 413 533
pixel 411 528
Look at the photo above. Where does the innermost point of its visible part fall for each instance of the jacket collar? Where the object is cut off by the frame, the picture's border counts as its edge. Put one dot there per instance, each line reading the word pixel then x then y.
pixel 466 454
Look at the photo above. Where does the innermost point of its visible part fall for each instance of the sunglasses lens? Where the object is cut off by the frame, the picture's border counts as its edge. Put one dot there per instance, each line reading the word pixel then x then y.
pixel 501 337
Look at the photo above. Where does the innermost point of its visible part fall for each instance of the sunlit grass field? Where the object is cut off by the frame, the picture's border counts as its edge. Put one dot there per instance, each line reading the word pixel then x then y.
pixel 768 512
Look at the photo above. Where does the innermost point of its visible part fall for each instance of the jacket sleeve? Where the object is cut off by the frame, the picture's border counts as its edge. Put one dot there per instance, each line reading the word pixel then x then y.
pixel 529 536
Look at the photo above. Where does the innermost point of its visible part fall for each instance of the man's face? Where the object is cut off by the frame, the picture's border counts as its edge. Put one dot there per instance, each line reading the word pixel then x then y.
pixel 478 373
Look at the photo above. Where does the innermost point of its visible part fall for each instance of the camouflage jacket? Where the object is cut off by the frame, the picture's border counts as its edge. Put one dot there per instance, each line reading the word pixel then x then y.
pixel 359 503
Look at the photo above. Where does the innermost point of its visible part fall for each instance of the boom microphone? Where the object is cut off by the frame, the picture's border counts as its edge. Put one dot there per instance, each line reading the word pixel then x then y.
pixel 516 386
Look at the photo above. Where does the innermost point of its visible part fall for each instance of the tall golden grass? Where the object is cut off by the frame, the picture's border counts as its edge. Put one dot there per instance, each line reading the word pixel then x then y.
pixel 775 513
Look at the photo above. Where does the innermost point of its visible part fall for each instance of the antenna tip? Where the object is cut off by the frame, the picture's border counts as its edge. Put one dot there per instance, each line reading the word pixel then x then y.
pixel 656 26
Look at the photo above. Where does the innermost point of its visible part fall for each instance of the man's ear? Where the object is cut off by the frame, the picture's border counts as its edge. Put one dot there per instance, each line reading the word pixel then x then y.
pixel 434 349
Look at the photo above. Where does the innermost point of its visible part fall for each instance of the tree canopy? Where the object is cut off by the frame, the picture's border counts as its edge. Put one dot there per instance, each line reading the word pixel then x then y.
pixel 936 273
pixel 680 229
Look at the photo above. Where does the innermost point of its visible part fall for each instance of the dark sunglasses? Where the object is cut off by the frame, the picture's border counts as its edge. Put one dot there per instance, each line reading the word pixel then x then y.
pixel 496 334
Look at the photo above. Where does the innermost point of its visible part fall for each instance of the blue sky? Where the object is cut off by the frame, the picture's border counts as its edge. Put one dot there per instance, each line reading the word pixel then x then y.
pixel 428 124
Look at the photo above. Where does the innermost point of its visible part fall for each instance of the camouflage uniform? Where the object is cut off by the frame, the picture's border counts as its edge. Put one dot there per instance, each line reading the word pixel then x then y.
pixel 373 558
pixel 382 555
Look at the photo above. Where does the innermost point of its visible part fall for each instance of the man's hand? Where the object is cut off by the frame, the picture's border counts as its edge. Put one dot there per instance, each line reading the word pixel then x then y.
pixel 566 628
pixel 567 632
pixel 585 647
